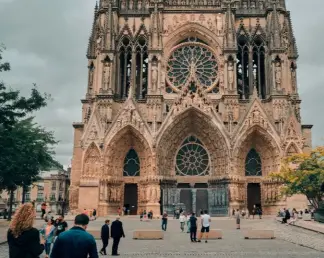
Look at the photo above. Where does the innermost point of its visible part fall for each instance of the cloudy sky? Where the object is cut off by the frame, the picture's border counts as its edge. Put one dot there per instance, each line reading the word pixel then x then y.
pixel 46 43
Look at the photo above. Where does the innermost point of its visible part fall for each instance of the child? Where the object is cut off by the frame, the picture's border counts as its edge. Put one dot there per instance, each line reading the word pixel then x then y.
pixel 182 220
pixel 48 232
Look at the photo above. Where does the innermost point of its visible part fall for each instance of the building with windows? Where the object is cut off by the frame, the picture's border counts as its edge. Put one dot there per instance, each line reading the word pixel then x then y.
pixel 52 189
pixel 188 103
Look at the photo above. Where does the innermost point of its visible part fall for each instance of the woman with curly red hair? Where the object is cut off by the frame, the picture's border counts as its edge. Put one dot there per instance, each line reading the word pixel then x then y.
pixel 23 239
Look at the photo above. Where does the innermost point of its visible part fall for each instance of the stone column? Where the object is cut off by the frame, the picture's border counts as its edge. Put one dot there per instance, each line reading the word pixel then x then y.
pixel 210 200
pixel 194 195
pixel 177 199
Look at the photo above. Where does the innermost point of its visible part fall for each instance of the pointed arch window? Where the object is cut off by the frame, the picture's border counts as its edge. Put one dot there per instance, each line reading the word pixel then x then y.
pixel 125 65
pixel 192 158
pixel 253 165
pixel 251 70
pixel 131 164
pixel 141 76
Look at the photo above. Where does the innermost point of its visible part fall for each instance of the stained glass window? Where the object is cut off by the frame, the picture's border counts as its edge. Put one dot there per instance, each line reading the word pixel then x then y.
pixel 131 164
pixel 192 159
pixel 253 165
pixel 192 62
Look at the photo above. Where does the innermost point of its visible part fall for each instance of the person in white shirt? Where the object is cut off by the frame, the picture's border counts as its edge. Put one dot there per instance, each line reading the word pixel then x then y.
pixel 182 220
pixel 205 224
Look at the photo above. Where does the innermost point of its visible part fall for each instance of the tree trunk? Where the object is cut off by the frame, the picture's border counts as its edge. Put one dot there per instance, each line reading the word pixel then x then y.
pixel 23 199
pixel 10 204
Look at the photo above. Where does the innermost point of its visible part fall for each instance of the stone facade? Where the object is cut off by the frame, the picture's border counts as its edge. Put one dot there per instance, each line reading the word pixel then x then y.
pixel 189 103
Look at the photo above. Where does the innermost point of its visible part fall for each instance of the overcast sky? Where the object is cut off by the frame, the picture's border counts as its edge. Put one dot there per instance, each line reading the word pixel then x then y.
pixel 47 40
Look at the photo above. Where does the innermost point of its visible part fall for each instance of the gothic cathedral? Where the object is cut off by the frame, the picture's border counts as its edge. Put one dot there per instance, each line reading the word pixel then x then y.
pixel 190 104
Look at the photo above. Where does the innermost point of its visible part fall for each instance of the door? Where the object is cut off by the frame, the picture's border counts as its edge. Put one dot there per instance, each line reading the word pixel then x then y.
pixel 201 200
pixel 186 199
pixel 253 196
pixel 130 198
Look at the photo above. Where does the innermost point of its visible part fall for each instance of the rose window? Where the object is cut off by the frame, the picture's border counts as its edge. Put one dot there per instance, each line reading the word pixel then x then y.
pixel 192 158
pixel 192 63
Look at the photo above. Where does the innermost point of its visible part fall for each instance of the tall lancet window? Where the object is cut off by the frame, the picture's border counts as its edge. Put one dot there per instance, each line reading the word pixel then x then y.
pixel 131 164
pixel 251 67
pixel 141 68
pixel 253 165
pixel 243 67
pixel 259 67
pixel 125 66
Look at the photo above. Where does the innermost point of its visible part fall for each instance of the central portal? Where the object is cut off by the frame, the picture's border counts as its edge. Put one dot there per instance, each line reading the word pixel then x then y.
pixel 254 196
pixel 130 198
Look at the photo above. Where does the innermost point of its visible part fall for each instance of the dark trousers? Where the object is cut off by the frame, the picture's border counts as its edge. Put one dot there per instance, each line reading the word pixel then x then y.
pixel 164 224
pixel 43 213
pixel 104 246
pixel 193 233
pixel 115 245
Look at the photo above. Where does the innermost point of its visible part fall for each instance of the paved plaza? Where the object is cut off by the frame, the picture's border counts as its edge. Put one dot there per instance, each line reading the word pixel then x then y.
pixel 289 242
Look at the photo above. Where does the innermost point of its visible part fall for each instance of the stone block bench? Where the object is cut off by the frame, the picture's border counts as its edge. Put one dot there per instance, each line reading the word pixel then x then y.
pixel 215 234
pixel 307 217
pixel 258 234
pixel 95 233
pixel 148 234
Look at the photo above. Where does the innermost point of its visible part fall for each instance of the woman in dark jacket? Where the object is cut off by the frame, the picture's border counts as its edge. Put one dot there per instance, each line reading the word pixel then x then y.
pixel 24 240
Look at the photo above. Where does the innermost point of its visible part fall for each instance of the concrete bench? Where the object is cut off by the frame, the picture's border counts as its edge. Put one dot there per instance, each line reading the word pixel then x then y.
pixel 214 234
pixel 95 233
pixel 258 234
pixel 148 234
pixel 307 217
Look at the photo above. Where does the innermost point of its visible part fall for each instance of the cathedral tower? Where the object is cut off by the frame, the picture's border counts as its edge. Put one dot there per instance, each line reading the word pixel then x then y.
pixel 189 103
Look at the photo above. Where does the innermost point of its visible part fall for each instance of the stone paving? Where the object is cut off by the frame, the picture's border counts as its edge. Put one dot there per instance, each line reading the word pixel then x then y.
pixel 233 244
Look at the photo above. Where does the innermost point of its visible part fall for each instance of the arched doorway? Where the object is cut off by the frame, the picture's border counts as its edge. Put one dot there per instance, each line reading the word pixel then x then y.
pixel 131 169
pixel 130 198
pixel 253 168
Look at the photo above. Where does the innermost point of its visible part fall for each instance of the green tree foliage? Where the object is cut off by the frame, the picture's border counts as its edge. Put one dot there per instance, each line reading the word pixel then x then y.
pixel 303 174
pixel 25 147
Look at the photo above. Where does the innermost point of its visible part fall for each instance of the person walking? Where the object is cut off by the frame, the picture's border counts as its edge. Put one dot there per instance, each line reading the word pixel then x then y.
pixel 238 219
pixel 61 225
pixel 94 214
pixel 48 232
pixel 23 239
pixel 105 237
pixel 43 209
pixel 76 242
pixel 193 227
pixel 205 222
pixel 117 232
pixel 182 220
pixel 164 221
pixel 188 223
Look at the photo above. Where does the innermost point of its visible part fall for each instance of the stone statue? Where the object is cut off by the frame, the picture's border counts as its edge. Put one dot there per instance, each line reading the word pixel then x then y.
pixel 230 70
pixel 293 79
pixel 278 75
pixel 123 4
pixel 210 24
pixel 99 40
pixel 91 72
pixel 139 4
pixel 154 75
pixel 106 75
pixel 130 4
pixel 219 24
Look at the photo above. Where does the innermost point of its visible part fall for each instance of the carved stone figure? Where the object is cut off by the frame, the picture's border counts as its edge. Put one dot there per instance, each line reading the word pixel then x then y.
pixel 230 70
pixel 123 4
pixel 219 24
pixel 106 75
pixel 154 75
pixel 278 76
pixel 130 6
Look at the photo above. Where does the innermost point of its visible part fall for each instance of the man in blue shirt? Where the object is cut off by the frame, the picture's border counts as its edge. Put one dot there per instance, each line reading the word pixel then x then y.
pixel 76 242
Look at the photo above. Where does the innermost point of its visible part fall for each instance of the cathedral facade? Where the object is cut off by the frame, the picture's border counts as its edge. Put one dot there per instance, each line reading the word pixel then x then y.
pixel 189 103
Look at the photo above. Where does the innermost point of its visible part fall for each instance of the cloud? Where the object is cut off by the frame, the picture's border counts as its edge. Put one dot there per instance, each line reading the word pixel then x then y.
pixel 47 41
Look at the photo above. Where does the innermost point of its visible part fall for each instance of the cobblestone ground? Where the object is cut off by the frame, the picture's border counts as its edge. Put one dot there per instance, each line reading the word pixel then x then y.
pixel 233 244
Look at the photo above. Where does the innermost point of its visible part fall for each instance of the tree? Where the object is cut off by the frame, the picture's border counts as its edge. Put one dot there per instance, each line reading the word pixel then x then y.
pixel 26 148
pixel 303 174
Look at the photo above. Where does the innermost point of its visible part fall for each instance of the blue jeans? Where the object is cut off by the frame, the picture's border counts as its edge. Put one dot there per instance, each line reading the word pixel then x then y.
pixel 164 224
pixel 48 248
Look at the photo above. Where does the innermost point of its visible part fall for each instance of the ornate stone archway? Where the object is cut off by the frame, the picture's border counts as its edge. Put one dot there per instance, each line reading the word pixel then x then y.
pixel 259 145
pixel 113 179
pixel 192 122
